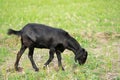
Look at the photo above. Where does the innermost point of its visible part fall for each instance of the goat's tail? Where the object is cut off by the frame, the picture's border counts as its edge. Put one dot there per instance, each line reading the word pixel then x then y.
pixel 11 31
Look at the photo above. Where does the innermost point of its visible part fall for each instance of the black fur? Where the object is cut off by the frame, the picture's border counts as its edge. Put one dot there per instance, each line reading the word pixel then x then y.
pixel 41 36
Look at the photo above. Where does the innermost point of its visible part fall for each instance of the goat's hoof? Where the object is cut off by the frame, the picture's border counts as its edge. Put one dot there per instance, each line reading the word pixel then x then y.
pixel 61 68
pixel 36 69
pixel 44 67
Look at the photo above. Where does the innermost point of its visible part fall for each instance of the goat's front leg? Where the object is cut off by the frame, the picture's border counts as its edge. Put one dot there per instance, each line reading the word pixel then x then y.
pixel 19 54
pixel 51 56
pixel 59 60
pixel 30 55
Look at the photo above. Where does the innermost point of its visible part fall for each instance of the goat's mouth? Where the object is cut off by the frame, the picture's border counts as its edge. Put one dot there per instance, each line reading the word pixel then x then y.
pixel 81 61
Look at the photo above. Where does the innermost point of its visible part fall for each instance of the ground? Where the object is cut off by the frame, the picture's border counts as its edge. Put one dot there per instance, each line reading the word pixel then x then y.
pixel 95 24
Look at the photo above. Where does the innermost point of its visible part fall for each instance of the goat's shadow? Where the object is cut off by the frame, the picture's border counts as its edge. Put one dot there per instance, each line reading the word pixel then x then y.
pixel 12 70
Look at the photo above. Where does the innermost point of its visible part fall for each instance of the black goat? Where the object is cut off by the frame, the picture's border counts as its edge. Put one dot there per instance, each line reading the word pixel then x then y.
pixel 41 36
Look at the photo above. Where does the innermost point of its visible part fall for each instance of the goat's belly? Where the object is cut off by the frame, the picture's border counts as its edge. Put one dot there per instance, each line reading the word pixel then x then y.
pixel 40 46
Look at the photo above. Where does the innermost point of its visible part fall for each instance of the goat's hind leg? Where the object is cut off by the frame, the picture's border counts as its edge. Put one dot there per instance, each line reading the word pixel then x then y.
pixel 19 54
pixel 30 55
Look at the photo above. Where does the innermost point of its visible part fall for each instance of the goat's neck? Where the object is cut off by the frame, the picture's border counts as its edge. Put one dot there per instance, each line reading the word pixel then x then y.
pixel 73 45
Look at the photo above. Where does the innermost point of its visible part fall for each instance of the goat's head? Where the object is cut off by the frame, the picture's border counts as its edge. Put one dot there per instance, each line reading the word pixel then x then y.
pixel 81 56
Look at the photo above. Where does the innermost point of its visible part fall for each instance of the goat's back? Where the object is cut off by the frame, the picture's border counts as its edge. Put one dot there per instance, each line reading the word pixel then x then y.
pixel 40 32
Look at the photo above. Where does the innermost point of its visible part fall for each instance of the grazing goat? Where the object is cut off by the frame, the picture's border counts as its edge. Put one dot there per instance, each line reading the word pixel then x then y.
pixel 41 36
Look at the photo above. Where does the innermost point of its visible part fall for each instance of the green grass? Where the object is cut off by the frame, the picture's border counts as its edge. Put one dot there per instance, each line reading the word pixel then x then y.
pixel 95 24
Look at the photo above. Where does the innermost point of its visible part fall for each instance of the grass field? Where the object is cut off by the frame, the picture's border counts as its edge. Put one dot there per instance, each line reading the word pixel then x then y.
pixel 95 24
